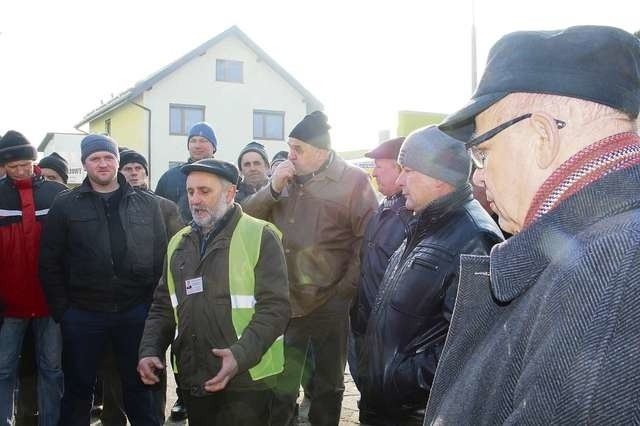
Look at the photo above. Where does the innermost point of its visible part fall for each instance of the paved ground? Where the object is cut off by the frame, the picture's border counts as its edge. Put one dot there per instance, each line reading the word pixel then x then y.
pixel 349 414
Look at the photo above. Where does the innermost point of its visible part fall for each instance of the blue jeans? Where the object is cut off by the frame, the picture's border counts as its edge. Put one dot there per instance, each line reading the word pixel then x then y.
pixel 48 359
pixel 84 335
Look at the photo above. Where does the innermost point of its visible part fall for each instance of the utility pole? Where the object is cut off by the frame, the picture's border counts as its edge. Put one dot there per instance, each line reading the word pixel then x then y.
pixel 474 67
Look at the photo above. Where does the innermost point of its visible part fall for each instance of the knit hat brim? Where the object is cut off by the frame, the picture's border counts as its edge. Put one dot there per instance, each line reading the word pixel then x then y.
pixel 17 153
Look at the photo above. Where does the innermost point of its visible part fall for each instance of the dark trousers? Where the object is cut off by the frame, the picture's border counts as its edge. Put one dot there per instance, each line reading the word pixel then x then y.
pixel 85 335
pixel 326 330
pixel 113 413
pixel 228 408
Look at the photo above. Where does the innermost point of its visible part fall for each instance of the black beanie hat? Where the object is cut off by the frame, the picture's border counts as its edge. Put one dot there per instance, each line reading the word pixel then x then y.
pixel 57 163
pixel 314 130
pixel 130 156
pixel 14 146
pixel 255 147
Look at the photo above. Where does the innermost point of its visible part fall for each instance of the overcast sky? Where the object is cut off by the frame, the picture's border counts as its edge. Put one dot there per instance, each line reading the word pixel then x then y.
pixel 364 60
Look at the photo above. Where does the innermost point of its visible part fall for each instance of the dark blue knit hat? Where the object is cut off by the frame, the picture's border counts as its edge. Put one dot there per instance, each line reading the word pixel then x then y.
pixel 205 130
pixel 95 143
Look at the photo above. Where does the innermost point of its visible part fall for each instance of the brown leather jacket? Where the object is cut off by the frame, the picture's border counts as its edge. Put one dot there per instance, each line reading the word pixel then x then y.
pixel 323 223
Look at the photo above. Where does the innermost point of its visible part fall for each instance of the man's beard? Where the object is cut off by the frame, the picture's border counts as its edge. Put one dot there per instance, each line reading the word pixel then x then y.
pixel 213 214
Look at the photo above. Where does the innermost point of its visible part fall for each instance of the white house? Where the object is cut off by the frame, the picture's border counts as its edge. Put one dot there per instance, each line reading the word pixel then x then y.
pixel 228 81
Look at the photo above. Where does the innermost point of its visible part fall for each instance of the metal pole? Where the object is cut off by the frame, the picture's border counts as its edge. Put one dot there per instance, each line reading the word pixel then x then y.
pixel 474 68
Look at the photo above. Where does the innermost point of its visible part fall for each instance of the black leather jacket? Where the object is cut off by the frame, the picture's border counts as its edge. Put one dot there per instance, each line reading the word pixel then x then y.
pixel 410 317
pixel 384 234
pixel 76 266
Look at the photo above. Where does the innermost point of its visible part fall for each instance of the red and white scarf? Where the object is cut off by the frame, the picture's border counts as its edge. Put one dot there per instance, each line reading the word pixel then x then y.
pixel 610 154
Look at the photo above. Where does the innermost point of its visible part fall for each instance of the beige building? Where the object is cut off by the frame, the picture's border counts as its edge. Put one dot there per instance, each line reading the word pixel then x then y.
pixel 229 81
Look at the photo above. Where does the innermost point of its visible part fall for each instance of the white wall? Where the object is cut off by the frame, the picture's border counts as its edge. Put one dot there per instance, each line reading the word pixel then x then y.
pixel 228 106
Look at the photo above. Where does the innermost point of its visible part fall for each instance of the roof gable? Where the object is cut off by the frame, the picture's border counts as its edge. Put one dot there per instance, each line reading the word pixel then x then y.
pixel 149 82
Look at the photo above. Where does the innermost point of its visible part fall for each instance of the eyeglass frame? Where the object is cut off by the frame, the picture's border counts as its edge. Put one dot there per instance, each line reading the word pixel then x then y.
pixel 473 143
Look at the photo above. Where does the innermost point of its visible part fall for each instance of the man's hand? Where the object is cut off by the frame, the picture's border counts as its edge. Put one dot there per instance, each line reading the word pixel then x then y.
pixel 147 367
pixel 227 371
pixel 281 175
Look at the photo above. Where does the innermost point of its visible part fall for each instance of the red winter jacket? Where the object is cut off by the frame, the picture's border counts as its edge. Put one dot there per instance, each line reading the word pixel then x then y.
pixel 24 205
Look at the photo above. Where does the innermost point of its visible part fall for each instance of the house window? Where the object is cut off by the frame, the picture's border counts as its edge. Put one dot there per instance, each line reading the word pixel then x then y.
pixel 182 117
pixel 268 125
pixel 107 127
pixel 229 71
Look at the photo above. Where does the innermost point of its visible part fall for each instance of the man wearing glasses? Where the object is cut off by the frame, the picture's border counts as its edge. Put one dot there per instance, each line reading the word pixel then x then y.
pixel 546 328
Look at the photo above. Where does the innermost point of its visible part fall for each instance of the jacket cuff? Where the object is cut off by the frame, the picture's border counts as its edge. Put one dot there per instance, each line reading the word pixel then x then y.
pixel 149 352
pixel 241 357
pixel 275 195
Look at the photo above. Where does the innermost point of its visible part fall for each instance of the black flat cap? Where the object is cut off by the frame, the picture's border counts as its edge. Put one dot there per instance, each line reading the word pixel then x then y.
pixel 594 63
pixel 209 165
pixel 387 149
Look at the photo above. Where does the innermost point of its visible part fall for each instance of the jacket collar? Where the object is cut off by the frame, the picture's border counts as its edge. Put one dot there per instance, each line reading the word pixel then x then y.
pixel 333 170
pixel 517 263
pixel 442 206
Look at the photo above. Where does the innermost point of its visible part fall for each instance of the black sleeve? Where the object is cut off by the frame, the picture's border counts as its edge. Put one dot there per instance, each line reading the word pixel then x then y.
pixel 159 240
pixel 162 188
pixel 52 268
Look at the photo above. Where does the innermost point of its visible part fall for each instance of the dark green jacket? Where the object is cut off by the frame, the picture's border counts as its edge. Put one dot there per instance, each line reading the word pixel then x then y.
pixel 205 318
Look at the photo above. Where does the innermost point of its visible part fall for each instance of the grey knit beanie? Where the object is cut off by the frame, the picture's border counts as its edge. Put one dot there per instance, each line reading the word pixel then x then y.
pixel 94 143
pixel 432 152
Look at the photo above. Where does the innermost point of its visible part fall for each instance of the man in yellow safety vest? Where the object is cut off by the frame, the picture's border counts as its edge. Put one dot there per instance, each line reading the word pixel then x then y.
pixel 223 302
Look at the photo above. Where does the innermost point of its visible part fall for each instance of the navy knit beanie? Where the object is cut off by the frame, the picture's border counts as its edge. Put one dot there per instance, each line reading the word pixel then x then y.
pixel 206 131
pixel 94 143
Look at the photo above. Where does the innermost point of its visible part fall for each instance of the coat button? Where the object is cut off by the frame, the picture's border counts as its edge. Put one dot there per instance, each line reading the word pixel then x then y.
pixel 292 221
pixel 287 251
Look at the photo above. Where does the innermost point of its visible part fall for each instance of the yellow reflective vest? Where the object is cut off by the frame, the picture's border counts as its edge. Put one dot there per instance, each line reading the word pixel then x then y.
pixel 244 252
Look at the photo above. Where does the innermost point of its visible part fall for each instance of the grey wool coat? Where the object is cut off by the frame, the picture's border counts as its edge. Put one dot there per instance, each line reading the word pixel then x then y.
pixel 547 329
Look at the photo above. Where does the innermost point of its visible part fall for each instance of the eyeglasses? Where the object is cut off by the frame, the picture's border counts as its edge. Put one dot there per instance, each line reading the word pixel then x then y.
pixel 478 156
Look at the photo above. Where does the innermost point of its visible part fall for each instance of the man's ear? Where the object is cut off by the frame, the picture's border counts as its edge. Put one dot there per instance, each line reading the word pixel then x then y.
pixel 231 193
pixel 547 143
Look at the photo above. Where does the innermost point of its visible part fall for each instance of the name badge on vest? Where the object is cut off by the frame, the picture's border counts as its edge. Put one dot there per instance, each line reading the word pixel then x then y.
pixel 193 286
